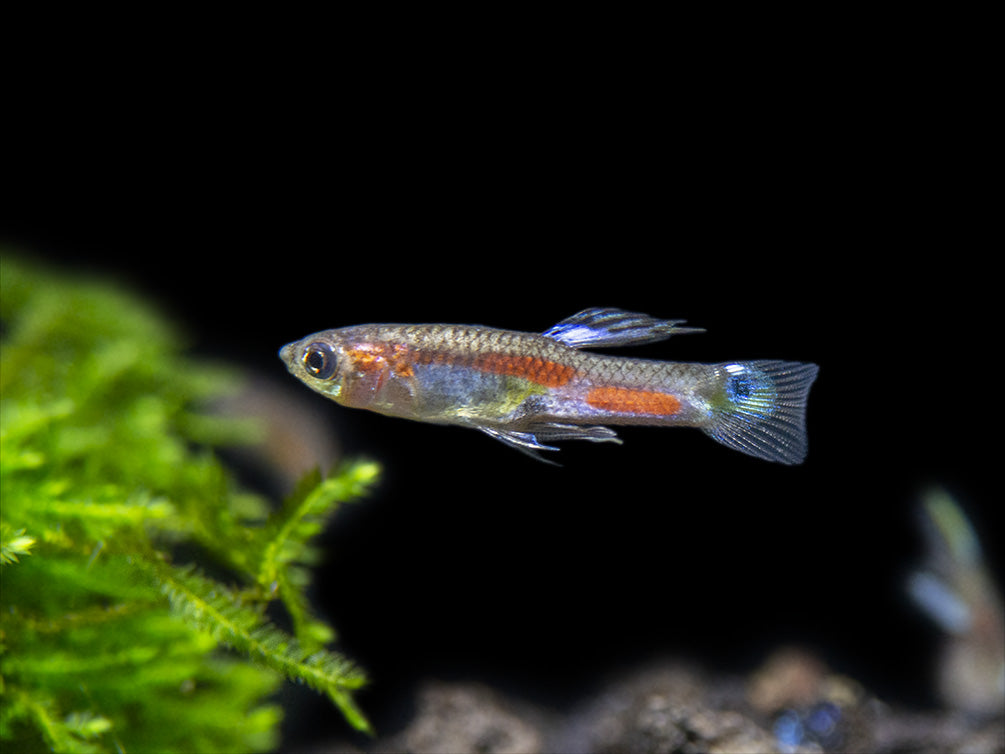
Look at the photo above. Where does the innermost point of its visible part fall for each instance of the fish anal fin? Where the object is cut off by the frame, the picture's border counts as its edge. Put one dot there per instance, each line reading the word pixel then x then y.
pixel 530 442
pixel 555 431
pixel 603 326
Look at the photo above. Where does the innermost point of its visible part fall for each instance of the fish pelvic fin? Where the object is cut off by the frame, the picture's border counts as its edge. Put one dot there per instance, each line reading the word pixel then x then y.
pixel 525 442
pixel 762 411
pixel 600 326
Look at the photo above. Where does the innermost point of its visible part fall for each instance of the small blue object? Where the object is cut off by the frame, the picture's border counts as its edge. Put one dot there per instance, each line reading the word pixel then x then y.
pixel 941 602
pixel 823 720
pixel 788 730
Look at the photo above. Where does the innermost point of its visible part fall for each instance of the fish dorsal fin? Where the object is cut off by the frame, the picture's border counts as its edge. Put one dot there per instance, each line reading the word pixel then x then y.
pixel 602 326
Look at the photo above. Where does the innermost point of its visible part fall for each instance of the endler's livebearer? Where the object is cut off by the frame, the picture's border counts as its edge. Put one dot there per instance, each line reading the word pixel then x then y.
pixel 528 389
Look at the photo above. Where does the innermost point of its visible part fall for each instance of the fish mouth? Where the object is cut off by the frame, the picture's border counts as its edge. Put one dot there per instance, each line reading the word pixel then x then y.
pixel 286 353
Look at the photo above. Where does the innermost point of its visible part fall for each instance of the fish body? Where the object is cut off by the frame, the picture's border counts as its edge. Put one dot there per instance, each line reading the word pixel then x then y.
pixel 529 389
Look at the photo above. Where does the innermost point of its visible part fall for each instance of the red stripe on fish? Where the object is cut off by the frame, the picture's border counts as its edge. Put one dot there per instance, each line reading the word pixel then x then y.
pixel 538 371
pixel 530 368
pixel 628 401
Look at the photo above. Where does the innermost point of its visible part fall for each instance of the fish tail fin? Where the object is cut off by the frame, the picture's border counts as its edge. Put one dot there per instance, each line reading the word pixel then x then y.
pixel 762 409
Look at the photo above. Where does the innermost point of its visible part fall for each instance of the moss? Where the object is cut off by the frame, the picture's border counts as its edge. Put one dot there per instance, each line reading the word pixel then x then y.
pixel 114 511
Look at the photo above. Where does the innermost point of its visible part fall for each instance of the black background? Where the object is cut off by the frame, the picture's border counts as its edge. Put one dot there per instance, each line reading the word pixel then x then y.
pixel 808 219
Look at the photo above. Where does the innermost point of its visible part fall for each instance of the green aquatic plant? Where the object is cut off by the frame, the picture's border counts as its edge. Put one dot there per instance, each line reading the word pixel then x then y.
pixel 141 588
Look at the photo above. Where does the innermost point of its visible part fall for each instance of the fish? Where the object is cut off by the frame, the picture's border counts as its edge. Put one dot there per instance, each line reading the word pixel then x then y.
pixel 528 390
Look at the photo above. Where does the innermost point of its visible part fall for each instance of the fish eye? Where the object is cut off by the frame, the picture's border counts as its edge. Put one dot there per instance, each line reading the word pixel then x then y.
pixel 319 360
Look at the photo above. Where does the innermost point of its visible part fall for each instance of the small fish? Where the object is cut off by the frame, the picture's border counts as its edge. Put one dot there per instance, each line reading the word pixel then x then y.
pixel 527 389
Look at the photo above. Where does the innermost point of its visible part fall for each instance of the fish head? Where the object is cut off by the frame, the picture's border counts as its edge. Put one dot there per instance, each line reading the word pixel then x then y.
pixel 354 366
pixel 319 362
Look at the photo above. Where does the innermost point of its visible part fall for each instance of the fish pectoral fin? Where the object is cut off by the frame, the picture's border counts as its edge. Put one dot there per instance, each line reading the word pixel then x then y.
pixel 529 442
pixel 602 326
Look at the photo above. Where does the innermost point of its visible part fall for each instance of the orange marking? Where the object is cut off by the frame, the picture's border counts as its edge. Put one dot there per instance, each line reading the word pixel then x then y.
pixel 367 357
pixel 627 401
pixel 399 361
pixel 539 371
pixel 376 357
